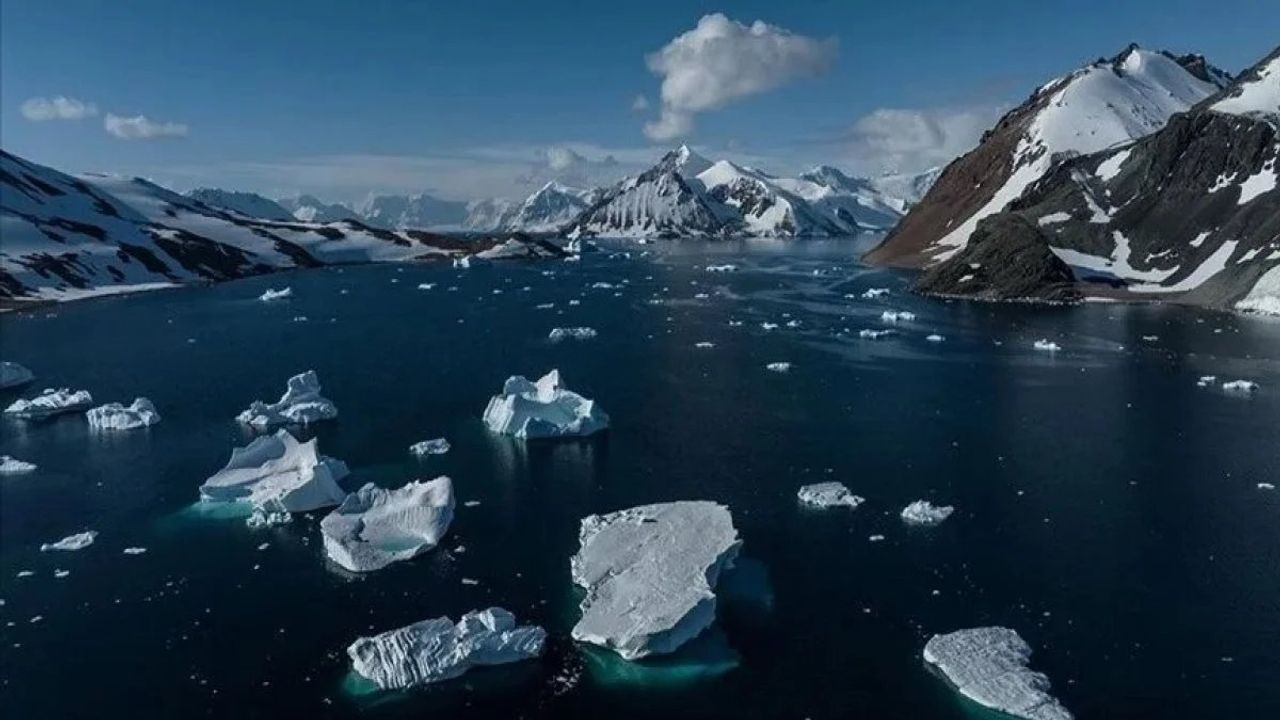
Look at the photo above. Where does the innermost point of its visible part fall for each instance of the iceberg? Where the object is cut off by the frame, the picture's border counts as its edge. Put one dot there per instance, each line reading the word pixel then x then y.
pixel 114 416
pixel 1047 345
pixel 923 512
pixel 278 474
pixel 828 494
pixel 990 666
pixel 273 294
pixel 726 268
pixel 873 293
pixel 433 650
pixel 934 338
pixel 874 334
pixel 301 404
pixel 778 367
pixel 574 333
pixel 650 574
pixel 890 316
pixel 373 527
pixel 49 403
pixel 10 465
pixel 437 446
pixel 1240 386
pixel 544 409
pixel 79 541
pixel 12 375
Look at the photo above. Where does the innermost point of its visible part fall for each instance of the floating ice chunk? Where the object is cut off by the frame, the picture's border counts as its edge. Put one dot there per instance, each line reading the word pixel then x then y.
pixel 1047 345
pixel 463 262
pixel 436 446
pixel 114 416
pixel 1266 486
pixel 778 367
pixel 263 518
pixel 990 666
pixel 1206 380
pixel 827 495
pixel 875 334
pixel 875 538
pixel 79 541
pixel 433 650
pixel 10 465
pixel 704 345
pixel 134 550
pixel 1240 386
pixel 923 512
pixel 373 527
pixel 769 326
pixel 934 338
pixel 12 375
pixel 873 293
pixel 891 316
pixel 544 409
pixel 276 473
pixel 273 294
pixel 650 573
pixel 571 333
pixel 301 404
pixel 727 268
pixel 49 403
pixel 426 286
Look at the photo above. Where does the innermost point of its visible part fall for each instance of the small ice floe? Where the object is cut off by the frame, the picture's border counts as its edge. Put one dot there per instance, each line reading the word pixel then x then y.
pixel 603 286
pixel 299 318
pixel 79 541
pixel 25 573
pixel 1047 345
pixel 426 286
pixel 463 262
pixel 793 324
pixel 873 293
pixel 544 306
pixel 114 416
pixel 778 367
pixel 934 338
pixel 701 296
pixel 891 316
pixel 575 301
pixel 51 402
pixel 262 518
pixel 768 326
pixel 827 495
pixel 60 573
pixel 301 404
pixel 705 345
pixel 875 334
pixel 433 650
pixel 13 375
pixel 1266 486
pixel 134 550
pixel 991 666
pixel 373 527
pixel 470 581
pixel 650 574
pixel 1150 338
pixel 1240 386
pixel 545 409
pixel 571 333
pixel 875 538
pixel 727 268
pixel 1206 380
pixel 10 465
pixel 278 474
pixel 273 294
pixel 435 446
pixel 923 512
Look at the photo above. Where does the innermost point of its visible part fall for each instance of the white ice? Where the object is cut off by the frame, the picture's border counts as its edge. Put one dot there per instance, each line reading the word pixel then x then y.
pixel 273 294
pixel 435 446
pixel 301 404
pixel 53 401
pixel 276 473
pixel 544 409
pixel 990 666
pixel 79 541
pixel 114 416
pixel 374 527
pixel 571 333
pixel 828 494
pixel 923 512
pixel 10 465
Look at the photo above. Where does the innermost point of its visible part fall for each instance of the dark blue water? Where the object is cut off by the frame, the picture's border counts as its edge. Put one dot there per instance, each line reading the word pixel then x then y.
pixel 1107 507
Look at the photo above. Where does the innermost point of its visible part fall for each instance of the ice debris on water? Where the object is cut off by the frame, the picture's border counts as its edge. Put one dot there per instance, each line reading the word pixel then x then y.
pixel 301 404
pixel 827 495
pixel 272 294
pixel 1046 345
pixel 923 512
pixel 140 413
pixel 79 541
pixel 778 367
pixel 1240 386
pixel 435 446
pixel 10 465
pixel 571 333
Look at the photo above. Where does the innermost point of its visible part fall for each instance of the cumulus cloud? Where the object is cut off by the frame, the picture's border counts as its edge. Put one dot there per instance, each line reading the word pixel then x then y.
pixel 39 109
pixel 139 127
pixel 722 60
pixel 903 140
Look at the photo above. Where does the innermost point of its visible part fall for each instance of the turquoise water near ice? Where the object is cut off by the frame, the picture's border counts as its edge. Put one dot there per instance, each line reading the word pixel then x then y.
pixel 1107 507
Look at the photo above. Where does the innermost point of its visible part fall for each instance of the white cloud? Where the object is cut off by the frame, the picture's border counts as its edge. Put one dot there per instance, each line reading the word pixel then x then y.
pixel 39 109
pixel 901 140
pixel 139 127
pixel 722 60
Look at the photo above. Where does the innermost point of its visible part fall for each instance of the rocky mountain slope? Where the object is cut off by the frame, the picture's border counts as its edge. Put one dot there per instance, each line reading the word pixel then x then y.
pixel 1102 105
pixel 1189 214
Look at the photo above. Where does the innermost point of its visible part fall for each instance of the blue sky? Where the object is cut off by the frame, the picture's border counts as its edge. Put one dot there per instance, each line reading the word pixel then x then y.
pixel 470 99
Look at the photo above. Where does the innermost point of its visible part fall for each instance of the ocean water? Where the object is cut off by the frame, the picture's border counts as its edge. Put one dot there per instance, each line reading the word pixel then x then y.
pixel 1106 507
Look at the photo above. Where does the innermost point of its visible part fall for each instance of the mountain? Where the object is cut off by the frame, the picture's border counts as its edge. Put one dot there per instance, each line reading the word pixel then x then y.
pixel 687 196
pixel 66 237
pixel 245 203
pixel 309 208
pixel 902 190
pixel 1188 214
pixel 1102 105
pixel 411 211
pixel 489 214
pixel 550 208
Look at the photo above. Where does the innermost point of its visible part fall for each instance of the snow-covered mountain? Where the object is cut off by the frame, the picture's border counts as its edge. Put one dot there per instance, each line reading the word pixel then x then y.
pixel 411 211
pixel 246 203
pixel 1189 214
pixel 309 208
pixel 68 236
pixel 489 214
pixel 686 195
pixel 549 209
pixel 1104 104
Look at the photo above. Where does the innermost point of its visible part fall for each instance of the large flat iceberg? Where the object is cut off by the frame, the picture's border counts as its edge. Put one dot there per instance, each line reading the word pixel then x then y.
pixel 989 665
pixel 114 416
pixel 12 375
pixel 301 404
pixel 53 401
pixel 650 574
pixel 544 409
pixel 278 474
pixel 373 527
pixel 433 650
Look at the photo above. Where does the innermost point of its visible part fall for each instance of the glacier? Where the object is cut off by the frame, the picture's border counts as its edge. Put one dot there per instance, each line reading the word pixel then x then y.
pixel 114 416
pixel 433 650
pixel 301 404
pixel 374 527
pixel 650 574
pixel 990 666
pixel 544 409
pixel 827 495
pixel 278 474
pixel 49 403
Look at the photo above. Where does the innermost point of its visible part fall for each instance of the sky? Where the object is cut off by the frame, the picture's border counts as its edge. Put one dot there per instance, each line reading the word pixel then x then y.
pixel 493 98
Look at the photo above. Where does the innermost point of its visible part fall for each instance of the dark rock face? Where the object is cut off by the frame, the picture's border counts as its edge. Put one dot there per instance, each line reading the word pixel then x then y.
pixel 1007 259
